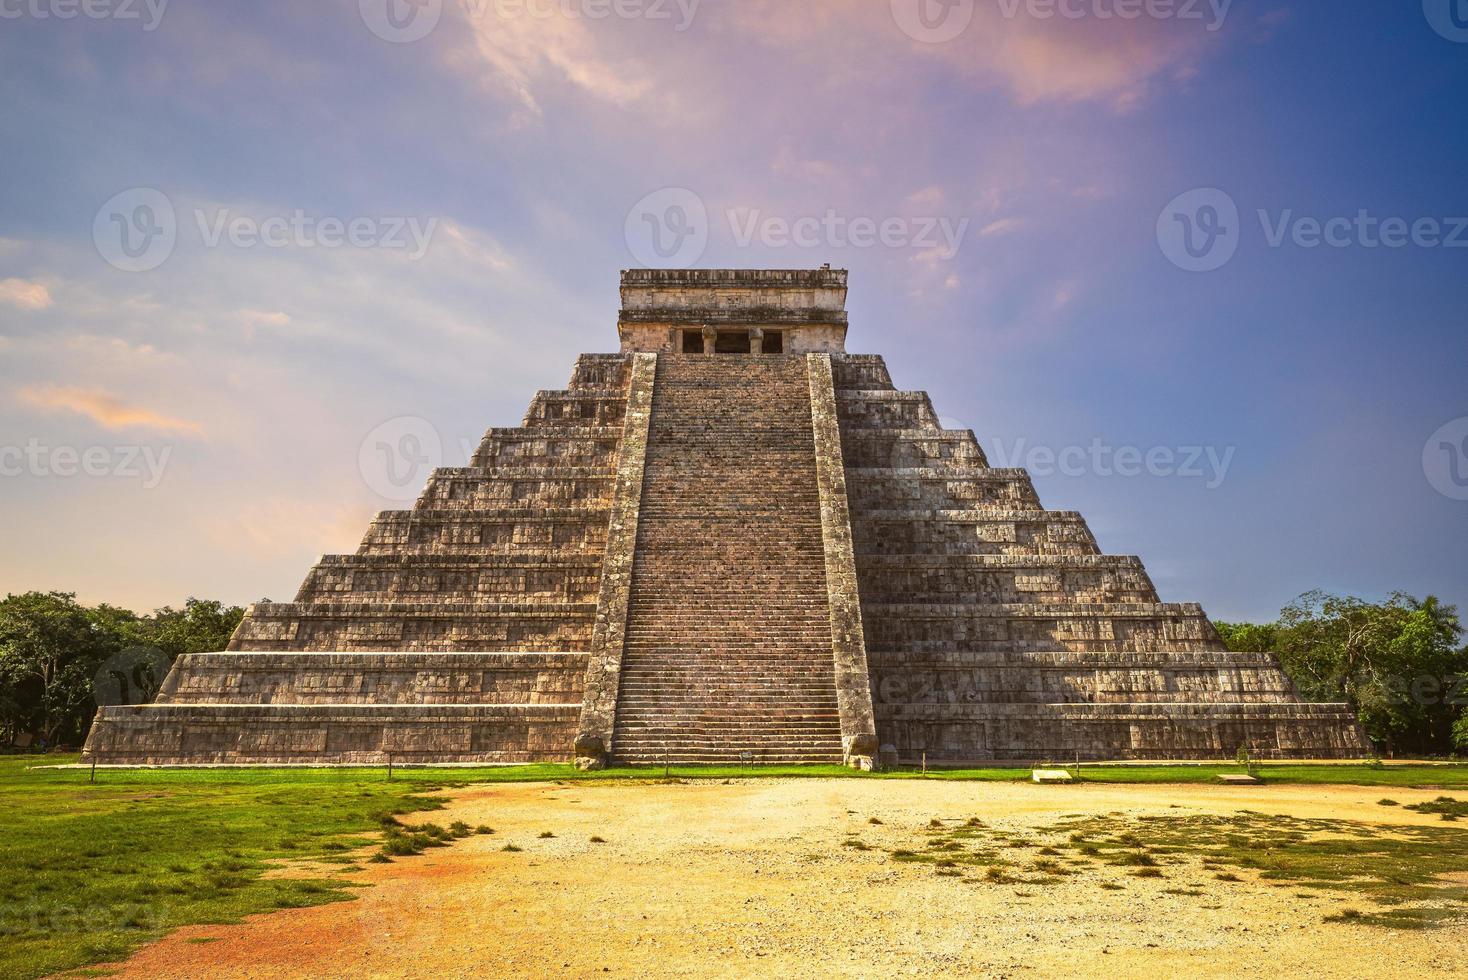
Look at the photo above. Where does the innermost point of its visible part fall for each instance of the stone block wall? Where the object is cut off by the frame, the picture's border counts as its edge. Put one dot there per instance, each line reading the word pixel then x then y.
pixel 708 557
pixel 377 679
pixel 183 734
pixel 383 650
pixel 729 640
pixel 996 631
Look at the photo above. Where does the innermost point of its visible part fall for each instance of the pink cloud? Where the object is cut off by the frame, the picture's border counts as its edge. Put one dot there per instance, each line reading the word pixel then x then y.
pixel 106 409
pixel 1036 59
pixel 25 294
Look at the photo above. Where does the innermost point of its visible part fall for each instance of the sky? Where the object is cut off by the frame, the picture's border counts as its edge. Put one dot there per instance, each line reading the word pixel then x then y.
pixel 1201 266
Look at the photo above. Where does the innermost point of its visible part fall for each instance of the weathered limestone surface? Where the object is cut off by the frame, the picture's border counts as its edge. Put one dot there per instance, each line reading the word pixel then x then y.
pixel 604 671
pixel 374 678
pixel 733 540
pixel 174 734
pixel 729 640
pixel 383 651
pixel 806 308
pixel 996 631
pixel 848 642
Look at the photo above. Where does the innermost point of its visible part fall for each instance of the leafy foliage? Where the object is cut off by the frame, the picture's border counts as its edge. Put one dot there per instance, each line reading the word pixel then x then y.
pixel 52 647
pixel 1397 663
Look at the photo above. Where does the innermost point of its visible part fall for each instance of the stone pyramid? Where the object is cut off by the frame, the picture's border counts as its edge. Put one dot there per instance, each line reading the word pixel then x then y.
pixel 730 542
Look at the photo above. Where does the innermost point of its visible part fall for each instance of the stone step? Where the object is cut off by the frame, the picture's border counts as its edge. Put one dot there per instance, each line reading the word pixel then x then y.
pixel 605 371
pixel 415 626
pixel 729 623
pixel 375 678
pixel 976 733
pixel 885 410
pixel 274 734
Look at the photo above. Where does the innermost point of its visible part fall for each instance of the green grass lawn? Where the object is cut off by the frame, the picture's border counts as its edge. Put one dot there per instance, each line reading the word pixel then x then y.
pixel 90 871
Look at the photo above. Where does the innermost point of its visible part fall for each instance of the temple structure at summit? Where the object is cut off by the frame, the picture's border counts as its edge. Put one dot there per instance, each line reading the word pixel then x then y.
pixel 730 541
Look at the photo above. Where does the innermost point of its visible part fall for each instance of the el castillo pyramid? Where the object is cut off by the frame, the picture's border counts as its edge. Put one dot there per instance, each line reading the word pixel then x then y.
pixel 732 541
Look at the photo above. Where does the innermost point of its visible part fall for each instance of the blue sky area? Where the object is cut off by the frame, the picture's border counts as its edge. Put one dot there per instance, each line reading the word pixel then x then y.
pixel 1095 292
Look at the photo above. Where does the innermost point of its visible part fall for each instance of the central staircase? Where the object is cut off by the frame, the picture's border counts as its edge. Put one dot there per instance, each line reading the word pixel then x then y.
pixel 728 647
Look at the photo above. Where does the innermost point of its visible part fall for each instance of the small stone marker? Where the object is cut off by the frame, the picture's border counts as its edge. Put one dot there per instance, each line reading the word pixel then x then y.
pixel 1052 776
pixel 1239 779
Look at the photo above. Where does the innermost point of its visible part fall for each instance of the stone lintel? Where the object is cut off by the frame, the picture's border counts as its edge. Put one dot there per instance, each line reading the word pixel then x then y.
pixel 604 668
pixel 848 641
pixel 806 306
pixel 822 278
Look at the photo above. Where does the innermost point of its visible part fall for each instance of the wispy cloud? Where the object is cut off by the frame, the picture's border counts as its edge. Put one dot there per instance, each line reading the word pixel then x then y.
pixel 266 318
pixel 25 294
pixel 1001 227
pixel 113 349
pixel 1037 60
pixel 104 408
pixel 522 55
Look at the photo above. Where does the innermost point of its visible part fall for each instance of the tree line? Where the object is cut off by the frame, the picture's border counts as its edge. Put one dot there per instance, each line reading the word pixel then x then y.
pixel 1399 663
pixel 53 649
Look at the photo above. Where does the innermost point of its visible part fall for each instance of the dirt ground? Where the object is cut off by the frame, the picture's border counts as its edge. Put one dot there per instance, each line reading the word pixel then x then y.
pixel 750 879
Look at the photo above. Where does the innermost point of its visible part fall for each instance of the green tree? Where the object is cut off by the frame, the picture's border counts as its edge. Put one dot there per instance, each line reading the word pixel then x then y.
pixel 201 626
pixel 50 648
pixel 1249 637
pixel 1396 663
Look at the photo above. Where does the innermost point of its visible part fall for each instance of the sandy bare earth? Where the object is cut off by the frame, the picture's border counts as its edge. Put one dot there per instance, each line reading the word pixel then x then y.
pixel 749 879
